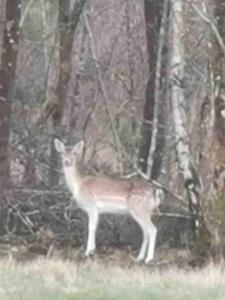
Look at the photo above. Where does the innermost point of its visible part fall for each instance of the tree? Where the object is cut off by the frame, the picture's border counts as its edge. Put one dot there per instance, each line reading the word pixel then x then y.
pixel 152 135
pixel 9 52
pixel 187 168
pixel 214 206
pixel 67 24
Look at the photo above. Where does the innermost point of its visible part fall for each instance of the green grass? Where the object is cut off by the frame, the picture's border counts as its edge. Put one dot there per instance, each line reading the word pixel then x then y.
pixel 65 280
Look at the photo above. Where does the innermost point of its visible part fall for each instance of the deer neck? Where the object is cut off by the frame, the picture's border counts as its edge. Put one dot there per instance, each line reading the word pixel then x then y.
pixel 73 176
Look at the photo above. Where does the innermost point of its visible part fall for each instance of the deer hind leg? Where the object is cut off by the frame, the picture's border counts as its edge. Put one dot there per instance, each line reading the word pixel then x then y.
pixel 149 235
pixel 144 245
pixel 137 215
pixel 92 227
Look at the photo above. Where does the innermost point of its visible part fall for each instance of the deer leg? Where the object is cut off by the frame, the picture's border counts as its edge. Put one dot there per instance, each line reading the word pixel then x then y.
pixel 92 226
pixel 152 232
pixel 142 221
pixel 144 245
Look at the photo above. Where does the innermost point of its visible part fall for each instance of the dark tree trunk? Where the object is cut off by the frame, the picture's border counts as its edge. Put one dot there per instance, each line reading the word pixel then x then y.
pixel 67 23
pixel 163 97
pixel 160 141
pixel 152 10
pixel 7 77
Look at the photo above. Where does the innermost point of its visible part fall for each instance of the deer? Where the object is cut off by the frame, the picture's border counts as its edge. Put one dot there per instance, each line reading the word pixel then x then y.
pixel 98 194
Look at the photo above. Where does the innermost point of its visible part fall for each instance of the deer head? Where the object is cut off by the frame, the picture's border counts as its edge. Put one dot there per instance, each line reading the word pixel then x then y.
pixel 69 154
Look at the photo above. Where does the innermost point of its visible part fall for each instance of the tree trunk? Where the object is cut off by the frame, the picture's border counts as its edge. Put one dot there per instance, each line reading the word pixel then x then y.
pixel 7 77
pixel 67 25
pixel 217 208
pixel 156 149
pixel 152 10
pixel 187 169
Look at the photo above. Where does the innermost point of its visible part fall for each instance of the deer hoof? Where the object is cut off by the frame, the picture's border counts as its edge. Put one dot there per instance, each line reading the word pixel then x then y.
pixel 139 260
pixel 89 253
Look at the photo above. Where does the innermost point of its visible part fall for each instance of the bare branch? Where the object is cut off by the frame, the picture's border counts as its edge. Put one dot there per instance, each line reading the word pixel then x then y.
pixel 181 216
pixel 102 86
pixel 209 21
pixel 26 11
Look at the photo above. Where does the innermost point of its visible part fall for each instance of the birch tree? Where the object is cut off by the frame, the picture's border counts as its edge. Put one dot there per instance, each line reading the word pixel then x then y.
pixel 187 168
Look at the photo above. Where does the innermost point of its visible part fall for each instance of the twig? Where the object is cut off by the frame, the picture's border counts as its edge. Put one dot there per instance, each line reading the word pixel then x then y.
pixel 25 219
pixel 102 86
pixel 209 21
pixel 173 215
pixel 36 191
pixel 213 160
pixel 23 17
pixel 47 166
pixel 9 211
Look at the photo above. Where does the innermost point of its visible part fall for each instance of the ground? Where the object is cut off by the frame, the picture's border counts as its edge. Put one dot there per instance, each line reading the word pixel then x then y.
pixel 112 275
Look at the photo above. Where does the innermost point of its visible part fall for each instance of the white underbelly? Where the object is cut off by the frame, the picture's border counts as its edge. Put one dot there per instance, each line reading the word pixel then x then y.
pixel 111 208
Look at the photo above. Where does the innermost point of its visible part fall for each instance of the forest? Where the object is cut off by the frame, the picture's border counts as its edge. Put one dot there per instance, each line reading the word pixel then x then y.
pixel 142 84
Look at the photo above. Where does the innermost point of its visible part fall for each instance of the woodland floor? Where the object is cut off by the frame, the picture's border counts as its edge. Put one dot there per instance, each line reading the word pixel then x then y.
pixel 109 275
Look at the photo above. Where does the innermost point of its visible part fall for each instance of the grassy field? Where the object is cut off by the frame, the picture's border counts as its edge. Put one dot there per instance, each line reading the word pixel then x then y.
pixel 54 279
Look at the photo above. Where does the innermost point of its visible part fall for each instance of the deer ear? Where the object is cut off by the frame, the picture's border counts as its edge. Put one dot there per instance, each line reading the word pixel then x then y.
pixel 79 147
pixel 60 147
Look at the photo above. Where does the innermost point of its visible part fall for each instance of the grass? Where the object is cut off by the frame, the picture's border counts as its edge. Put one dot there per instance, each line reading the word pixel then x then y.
pixel 54 279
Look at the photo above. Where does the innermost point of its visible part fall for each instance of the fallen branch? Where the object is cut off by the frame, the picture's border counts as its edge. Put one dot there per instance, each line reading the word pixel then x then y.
pixel 173 215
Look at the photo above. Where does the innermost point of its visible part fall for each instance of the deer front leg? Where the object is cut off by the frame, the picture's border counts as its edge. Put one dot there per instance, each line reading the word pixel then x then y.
pixel 92 226
pixel 152 231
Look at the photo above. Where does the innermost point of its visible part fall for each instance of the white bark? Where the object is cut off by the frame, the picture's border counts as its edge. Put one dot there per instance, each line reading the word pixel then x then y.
pixel 176 74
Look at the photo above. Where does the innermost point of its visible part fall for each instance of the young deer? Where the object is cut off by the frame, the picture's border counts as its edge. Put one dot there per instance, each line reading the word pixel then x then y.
pixel 103 194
